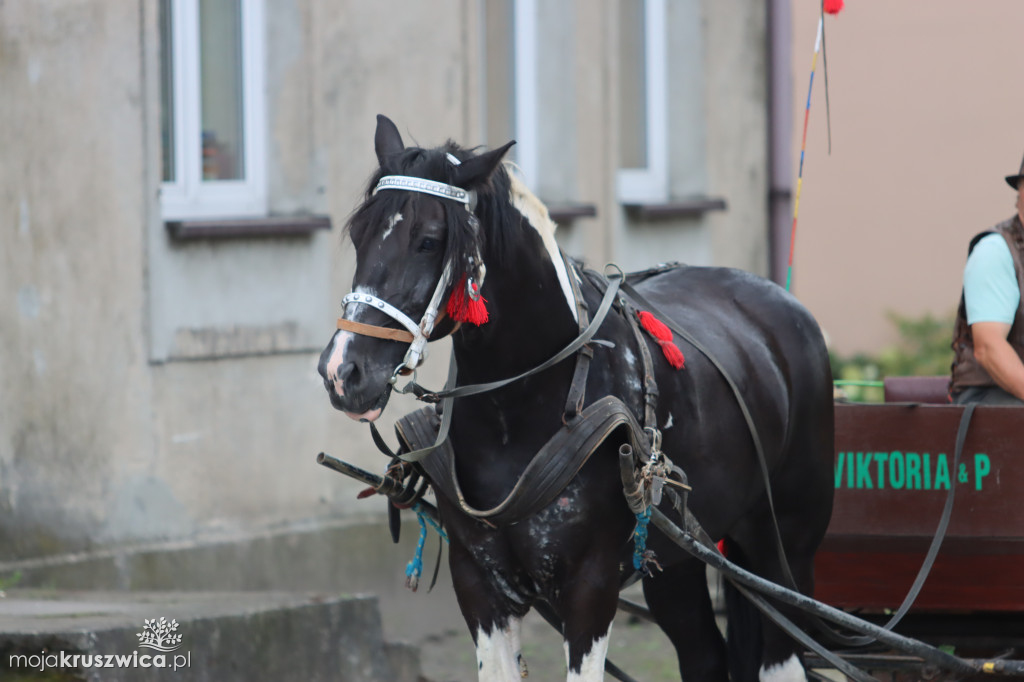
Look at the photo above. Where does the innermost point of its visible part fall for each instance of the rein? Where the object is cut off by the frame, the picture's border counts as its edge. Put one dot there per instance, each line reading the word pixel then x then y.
pixel 448 395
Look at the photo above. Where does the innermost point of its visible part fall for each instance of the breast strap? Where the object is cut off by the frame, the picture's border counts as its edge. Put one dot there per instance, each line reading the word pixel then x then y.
pixel 547 474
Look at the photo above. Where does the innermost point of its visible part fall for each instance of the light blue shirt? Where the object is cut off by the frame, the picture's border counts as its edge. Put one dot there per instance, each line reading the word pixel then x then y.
pixel 991 292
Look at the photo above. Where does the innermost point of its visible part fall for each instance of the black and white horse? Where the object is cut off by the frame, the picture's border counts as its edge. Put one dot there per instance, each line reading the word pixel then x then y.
pixel 448 223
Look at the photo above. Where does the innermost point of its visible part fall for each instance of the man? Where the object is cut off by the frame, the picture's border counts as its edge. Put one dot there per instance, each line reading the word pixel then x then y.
pixel 988 339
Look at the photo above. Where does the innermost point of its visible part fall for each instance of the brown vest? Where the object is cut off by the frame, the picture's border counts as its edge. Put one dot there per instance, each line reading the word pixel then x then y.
pixel 966 370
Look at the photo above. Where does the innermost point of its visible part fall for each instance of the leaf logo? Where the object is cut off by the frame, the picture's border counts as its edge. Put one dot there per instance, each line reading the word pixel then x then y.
pixel 159 635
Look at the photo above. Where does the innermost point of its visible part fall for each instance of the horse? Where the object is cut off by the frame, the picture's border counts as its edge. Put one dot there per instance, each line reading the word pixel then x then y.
pixel 456 224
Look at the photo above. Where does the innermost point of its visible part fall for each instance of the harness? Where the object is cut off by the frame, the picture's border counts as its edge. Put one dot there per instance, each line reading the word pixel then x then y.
pixel 424 433
pixel 418 334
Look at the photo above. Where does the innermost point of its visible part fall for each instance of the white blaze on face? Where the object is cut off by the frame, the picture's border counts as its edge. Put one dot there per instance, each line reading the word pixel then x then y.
pixel 789 670
pixel 498 653
pixel 392 221
pixel 336 359
pixel 592 667
pixel 339 348
pixel 536 214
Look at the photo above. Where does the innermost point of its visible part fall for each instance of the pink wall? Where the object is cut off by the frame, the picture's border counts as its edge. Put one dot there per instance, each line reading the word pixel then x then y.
pixel 927 102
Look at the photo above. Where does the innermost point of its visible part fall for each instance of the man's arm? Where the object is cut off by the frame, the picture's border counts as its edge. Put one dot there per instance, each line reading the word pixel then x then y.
pixel 997 356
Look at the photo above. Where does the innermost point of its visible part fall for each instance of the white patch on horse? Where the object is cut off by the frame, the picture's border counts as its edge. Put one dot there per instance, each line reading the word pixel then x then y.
pixel 536 213
pixel 668 423
pixel 394 220
pixel 339 344
pixel 592 666
pixel 499 654
pixel 483 559
pixel 789 670
pixel 633 377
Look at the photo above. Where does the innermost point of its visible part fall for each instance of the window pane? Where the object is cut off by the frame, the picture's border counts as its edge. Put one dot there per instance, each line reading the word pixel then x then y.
pixel 632 85
pixel 167 91
pixel 220 68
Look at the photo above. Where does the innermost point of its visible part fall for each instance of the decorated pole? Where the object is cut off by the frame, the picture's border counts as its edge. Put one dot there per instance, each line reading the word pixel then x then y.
pixel 828 7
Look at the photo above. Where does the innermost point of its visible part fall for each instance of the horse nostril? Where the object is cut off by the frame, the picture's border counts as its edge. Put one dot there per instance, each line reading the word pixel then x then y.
pixel 347 372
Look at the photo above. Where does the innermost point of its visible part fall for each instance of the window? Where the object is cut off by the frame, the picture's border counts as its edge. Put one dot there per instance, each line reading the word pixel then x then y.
pixel 529 60
pixel 643 134
pixel 212 108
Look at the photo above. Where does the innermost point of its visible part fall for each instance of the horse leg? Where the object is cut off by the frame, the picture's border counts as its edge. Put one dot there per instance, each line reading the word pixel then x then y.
pixel 587 603
pixel 679 601
pixel 493 620
pixel 499 652
pixel 756 551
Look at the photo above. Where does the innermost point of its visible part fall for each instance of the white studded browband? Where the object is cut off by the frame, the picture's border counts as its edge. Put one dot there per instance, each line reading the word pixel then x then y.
pixel 437 189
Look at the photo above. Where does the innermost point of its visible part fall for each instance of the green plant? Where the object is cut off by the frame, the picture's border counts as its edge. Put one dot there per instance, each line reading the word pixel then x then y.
pixel 923 349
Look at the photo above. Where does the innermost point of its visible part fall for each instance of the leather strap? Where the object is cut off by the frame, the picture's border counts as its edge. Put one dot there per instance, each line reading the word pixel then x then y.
pixel 578 387
pixel 388 333
pixel 574 345
pixel 547 474
pixel 940 531
pixel 754 435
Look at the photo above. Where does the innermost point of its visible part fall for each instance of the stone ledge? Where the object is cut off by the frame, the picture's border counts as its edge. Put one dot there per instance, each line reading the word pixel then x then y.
pixel 226 637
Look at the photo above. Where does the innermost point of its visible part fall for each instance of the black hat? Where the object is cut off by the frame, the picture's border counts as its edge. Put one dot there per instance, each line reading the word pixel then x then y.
pixel 1014 180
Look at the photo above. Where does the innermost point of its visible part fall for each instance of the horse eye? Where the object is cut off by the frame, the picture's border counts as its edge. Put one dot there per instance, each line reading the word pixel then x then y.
pixel 429 245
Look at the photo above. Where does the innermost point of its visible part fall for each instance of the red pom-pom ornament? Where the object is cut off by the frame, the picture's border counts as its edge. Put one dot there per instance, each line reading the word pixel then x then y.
pixel 833 6
pixel 466 304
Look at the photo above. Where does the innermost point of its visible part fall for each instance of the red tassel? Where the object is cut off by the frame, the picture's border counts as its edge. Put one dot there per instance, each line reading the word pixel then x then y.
pixel 363 494
pixel 663 335
pixel 673 354
pixel 833 6
pixel 721 547
pixel 464 308
pixel 654 326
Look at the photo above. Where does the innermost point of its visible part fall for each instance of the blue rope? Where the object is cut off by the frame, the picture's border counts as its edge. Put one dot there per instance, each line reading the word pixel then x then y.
pixel 414 569
pixel 432 522
pixel 640 539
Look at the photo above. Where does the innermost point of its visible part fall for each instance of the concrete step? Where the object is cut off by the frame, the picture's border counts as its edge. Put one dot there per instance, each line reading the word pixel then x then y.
pixel 224 637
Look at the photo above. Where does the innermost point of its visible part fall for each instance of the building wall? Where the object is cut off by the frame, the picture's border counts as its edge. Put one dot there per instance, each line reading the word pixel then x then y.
pixel 154 390
pixel 926 121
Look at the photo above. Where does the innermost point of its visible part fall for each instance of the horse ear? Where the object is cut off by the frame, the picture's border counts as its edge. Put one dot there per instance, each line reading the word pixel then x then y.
pixel 474 171
pixel 387 141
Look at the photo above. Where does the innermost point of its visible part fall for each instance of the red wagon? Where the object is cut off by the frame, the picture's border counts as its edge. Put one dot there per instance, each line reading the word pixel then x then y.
pixel 893 472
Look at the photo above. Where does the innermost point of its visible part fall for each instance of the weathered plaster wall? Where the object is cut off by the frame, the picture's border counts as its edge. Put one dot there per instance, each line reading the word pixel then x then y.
pixel 107 436
pixel 76 396
pixel 99 445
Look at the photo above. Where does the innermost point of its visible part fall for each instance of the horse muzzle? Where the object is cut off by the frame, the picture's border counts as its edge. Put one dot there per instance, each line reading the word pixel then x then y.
pixel 357 390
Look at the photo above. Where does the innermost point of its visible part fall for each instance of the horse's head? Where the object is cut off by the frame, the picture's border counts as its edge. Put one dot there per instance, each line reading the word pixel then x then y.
pixel 417 241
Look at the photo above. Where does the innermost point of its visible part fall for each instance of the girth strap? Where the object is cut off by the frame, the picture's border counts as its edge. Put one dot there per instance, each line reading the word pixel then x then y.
pixel 547 474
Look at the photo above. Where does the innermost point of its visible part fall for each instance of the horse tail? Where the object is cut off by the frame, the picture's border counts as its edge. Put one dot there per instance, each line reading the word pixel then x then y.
pixel 743 629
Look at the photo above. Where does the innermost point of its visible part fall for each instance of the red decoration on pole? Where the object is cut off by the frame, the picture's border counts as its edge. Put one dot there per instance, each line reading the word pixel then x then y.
pixel 833 6
pixel 466 304
pixel 660 332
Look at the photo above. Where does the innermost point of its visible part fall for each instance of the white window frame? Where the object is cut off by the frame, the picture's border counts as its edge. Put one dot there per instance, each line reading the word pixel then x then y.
pixel 650 184
pixel 525 90
pixel 189 196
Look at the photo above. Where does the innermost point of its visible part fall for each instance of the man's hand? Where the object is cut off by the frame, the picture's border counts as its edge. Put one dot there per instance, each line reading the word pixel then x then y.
pixel 997 356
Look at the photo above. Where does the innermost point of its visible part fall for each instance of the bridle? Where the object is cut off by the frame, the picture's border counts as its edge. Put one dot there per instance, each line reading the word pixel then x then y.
pixel 417 334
